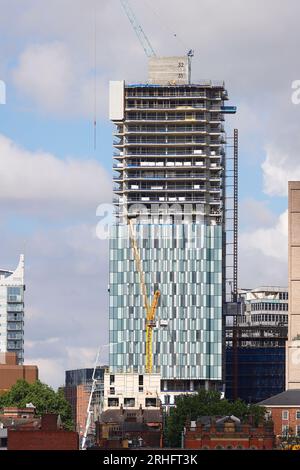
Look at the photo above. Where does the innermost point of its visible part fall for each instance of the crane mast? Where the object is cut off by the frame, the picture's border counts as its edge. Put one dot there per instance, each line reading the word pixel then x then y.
pixel 149 51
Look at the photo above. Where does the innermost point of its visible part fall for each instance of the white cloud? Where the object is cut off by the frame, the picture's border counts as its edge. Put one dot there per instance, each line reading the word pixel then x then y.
pixel 263 254
pixel 45 73
pixel 39 181
pixel 52 370
pixel 270 241
pixel 255 214
pixel 278 168
pixel 56 81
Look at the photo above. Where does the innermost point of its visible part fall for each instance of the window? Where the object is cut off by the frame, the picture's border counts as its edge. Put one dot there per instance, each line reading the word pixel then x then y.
pixel 150 402
pixel 285 429
pixel 298 414
pixel 285 415
pixel 111 379
pixel 141 383
pixel 298 430
pixel 129 402
pixel 113 402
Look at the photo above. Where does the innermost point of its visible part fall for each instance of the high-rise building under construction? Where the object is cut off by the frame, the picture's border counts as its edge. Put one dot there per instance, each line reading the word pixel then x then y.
pixel 169 172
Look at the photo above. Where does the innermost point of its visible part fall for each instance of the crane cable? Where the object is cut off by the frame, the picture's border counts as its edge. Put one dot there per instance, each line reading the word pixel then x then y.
pixel 169 31
pixel 95 76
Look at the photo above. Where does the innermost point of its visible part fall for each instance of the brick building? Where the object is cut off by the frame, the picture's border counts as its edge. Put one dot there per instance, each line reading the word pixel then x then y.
pixel 46 434
pixel 78 397
pixel 130 428
pixel 24 418
pixel 11 372
pixel 228 433
pixel 284 409
pixel 77 390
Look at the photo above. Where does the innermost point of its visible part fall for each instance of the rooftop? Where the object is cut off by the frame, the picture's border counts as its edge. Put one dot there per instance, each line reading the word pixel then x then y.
pixel 266 289
pixel 287 398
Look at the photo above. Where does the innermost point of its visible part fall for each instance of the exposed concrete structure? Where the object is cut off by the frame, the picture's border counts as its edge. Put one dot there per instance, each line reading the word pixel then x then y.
pixel 293 343
pixel 131 391
pixel 169 70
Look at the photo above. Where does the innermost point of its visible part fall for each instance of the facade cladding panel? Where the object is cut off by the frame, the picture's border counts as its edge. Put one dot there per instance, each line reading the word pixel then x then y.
pixel 169 158
pixel 187 268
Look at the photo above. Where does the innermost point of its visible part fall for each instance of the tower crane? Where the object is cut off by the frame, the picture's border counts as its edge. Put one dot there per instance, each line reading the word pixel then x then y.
pixel 149 51
pixel 150 308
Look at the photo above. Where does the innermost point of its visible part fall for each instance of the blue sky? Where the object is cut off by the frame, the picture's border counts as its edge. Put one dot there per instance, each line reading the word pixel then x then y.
pixel 52 179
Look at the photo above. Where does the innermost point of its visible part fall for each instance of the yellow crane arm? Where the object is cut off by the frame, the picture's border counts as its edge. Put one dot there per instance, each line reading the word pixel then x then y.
pixel 150 324
pixel 138 264
pixel 150 309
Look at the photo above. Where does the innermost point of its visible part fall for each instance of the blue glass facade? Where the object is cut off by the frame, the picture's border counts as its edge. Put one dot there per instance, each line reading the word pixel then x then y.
pixel 185 263
pixel 261 373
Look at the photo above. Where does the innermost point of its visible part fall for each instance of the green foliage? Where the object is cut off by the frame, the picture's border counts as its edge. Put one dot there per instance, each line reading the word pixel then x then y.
pixel 205 403
pixel 43 397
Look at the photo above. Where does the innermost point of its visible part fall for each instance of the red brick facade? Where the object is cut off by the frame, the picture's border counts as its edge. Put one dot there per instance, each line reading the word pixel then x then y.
pixel 229 435
pixel 42 440
pixel 10 372
pixel 78 397
pixel 46 435
pixel 285 416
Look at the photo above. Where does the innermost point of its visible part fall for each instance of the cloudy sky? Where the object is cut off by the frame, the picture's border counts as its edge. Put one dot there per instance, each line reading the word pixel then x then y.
pixel 52 178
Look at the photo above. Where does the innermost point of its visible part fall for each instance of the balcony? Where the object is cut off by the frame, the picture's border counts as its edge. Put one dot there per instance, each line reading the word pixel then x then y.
pixel 159 153
pixel 182 117
pixel 14 299
pixel 166 94
pixel 167 176
pixel 163 199
pixel 173 189
pixel 14 336
pixel 169 106
pixel 162 141
pixel 165 129
pixel 15 327
pixel 169 164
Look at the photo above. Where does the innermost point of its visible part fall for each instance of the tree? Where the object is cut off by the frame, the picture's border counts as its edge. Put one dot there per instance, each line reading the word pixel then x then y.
pixel 43 397
pixel 205 403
